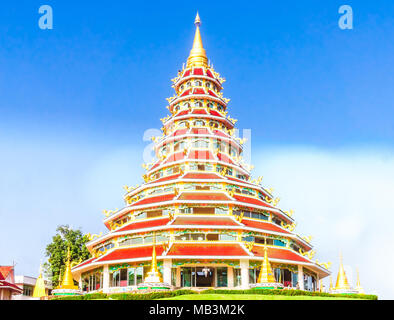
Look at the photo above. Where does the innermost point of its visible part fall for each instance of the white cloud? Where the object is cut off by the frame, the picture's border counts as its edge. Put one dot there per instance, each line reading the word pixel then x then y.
pixel 344 198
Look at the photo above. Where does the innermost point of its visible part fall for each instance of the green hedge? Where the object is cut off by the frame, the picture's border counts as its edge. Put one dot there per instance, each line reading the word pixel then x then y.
pixel 150 295
pixel 168 294
pixel 128 296
pixel 289 293
pixel 88 296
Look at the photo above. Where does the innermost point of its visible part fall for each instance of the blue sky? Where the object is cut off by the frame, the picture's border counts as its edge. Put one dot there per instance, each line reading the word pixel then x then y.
pixel 76 100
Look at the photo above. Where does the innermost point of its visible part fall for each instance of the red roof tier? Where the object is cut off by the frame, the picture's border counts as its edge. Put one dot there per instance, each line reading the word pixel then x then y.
pixel 198 72
pixel 262 225
pixel 131 253
pixel 254 201
pixel 162 198
pixel 275 253
pixel 175 176
pixel 199 111
pixel 145 224
pixel 199 131
pixel 198 91
pixel 223 157
pixel 201 176
pixel 200 154
pixel 203 196
pixel 213 250
pixel 175 157
pixel 209 73
pixel 215 113
pixel 204 221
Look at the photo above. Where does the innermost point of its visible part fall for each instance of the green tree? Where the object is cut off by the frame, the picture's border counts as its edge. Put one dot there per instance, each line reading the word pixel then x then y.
pixel 56 251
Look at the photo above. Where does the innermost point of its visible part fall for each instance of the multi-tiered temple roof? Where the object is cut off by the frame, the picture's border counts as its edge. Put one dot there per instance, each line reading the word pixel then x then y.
pixel 199 197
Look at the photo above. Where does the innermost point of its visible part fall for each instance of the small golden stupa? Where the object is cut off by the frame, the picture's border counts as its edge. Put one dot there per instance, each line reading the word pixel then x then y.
pixel 67 286
pixel 342 284
pixel 68 281
pixel 39 288
pixel 154 279
pixel 359 288
pixel 266 278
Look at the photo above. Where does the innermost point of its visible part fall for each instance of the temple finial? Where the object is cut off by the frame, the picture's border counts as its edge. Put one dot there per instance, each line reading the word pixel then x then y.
pixel 39 288
pixel 198 56
pixel 342 283
pixel 197 21
pixel 359 288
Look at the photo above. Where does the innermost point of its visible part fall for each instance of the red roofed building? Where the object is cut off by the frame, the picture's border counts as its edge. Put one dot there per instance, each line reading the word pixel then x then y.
pixel 198 206
pixel 7 286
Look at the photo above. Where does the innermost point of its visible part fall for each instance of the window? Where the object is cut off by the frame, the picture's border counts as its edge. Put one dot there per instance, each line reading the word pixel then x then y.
pixel 182 125
pixel 197 236
pixel 208 85
pixel 221 276
pixel 188 84
pixel 220 211
pixel 198 83
pixel 227 237
pixel 137 240
pixel 212 237
pixel 279 243
pixel 186 210
pixel 180 146
pixel 199 123
pixel 237 277
pixel 200 144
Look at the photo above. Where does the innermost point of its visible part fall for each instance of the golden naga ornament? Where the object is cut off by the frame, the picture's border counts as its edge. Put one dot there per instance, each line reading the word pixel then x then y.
pixel 275 202
pixel 108 213
pixel 93 236
pixel 240 217
pixel 310 254
pixel 326 265
pixel 289 213
pixel 307 238
pixel 249 245
pixel 289 227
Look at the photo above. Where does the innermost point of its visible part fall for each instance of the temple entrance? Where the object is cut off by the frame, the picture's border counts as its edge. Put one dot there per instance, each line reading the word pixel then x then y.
pixel 205 277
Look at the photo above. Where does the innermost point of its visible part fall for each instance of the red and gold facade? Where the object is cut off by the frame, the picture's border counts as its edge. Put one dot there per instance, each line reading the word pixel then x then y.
pixel 200 203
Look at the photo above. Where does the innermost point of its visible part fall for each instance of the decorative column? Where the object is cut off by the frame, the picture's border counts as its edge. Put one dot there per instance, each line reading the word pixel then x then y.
pixel 301 277
pixel 230 277
pixel 178 276
pixel 244 264
pixel 106 279
pixel 167 264
pixel 80 284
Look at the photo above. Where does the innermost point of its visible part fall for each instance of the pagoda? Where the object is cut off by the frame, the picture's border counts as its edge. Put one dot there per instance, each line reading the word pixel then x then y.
pixel 67 286
pixel 199 219
pixel 342 285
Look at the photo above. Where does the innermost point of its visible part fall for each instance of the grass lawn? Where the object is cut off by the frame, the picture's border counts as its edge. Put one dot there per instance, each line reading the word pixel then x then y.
pixel 248 297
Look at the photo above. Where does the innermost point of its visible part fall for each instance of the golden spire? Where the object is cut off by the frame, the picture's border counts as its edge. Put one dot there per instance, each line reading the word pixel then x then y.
pixel 60 280
pixel 68 281
pixel 154 275
pixel 39 288
pixel 198 56
pixel 266 274
pixel 154 257
pixel 342 283
pixel 359 288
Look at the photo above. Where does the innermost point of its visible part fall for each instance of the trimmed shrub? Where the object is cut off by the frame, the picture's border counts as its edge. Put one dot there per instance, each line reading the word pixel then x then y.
pixel 290 293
